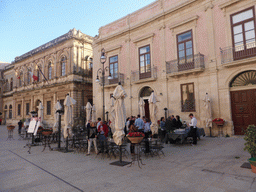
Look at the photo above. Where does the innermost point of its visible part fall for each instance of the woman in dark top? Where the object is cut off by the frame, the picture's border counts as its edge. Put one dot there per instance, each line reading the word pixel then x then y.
pixel 92 136
pixel 178 122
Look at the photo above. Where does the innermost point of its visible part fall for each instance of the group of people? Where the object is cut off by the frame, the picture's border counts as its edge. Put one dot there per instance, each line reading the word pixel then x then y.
pixel 102 130
pixel 173 123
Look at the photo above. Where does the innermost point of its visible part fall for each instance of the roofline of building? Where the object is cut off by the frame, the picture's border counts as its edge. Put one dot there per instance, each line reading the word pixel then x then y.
pixel 73 33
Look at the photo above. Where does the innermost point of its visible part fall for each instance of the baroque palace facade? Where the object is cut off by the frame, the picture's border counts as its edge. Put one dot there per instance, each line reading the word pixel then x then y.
pixel 46 74
pixel 182 50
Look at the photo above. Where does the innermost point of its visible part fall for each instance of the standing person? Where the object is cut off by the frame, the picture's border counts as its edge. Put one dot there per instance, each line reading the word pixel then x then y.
pixel 92 136
pixel 193 128
pixel 139 123
pixel 98 122
pixel 162 126
pixel 174 122
pixel 20 126
pixel 147 132
pixel 178 122
pixel 132 128
pixel 127 123
pixel 103 134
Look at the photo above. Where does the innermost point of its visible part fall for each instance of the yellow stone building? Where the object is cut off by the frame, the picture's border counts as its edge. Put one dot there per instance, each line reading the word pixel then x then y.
pixel 63 65
pixel 183 50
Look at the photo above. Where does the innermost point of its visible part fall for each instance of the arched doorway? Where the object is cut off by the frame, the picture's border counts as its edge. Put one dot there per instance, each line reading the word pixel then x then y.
pixel 243 100
pixel 145 93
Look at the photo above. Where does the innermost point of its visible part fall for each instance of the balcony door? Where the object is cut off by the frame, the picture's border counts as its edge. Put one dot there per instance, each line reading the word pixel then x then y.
pixel 185 51
pixel 145 62
pixel 243 34
pixel 113 68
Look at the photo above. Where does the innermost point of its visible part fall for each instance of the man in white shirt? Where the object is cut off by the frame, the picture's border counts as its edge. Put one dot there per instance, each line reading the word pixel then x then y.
pixel 193 128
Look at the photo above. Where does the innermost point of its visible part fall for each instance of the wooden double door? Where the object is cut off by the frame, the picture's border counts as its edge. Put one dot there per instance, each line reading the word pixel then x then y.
pixel 243 104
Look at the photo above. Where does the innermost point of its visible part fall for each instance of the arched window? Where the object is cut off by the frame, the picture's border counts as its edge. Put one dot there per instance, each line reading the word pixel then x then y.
pixel 50 70
pixel 146 91
pixel 11 84
pixel 5 107
pixel 10 111
pixel 245 78
pixel 63 66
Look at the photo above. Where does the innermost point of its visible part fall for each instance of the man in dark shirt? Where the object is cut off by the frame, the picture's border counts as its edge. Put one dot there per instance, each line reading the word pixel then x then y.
pixel 20 126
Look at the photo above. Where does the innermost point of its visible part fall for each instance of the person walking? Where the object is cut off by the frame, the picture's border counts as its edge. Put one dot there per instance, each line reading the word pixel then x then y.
pixel 92 136
pixel 103 134
pixel 20 126
pixel 193 128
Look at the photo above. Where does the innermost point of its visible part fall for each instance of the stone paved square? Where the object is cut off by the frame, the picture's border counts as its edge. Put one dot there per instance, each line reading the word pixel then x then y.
pixel 210 166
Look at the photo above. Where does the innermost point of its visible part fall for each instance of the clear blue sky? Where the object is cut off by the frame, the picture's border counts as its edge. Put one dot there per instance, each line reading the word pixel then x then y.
pixel 27 24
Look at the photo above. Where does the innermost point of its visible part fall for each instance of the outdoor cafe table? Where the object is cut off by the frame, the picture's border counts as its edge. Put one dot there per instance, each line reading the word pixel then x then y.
pixel 182 135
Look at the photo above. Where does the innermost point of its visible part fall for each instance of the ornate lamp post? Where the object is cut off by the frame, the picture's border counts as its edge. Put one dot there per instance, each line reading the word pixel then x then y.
pixel 165 113
pixel 102 70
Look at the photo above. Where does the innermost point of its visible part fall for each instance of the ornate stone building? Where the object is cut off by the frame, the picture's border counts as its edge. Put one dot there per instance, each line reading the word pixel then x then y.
pixel 61 66
pixel 183 50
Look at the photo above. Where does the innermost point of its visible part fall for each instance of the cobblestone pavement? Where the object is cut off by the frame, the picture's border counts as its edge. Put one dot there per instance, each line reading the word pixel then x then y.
pixel 211 166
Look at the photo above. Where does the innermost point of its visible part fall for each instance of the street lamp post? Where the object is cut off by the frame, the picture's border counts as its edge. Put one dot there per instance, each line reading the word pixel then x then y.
pixel 165 113
pixel 102 70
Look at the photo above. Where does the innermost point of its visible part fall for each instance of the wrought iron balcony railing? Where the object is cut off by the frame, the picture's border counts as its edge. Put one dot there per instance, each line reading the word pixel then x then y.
pixel 179 65
pixel 150 74
pixel 119 77
pixel 230 54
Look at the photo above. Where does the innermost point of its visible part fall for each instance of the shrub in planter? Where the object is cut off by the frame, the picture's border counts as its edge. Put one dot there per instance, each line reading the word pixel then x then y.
pixel 250 145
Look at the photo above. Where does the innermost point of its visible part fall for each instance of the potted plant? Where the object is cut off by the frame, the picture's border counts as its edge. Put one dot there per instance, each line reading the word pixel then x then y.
pixel 250 145
pixel 47 131
pixel 135 137
pixel 218 121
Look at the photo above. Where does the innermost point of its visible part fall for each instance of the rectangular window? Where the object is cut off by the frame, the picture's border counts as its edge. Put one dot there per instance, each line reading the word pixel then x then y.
pixel 50 72
pixel 48 107
pixel 185 48
pixel 187 97
pixel 19 110
pixel 113 66
pixel 27 108
pixel 63 68
pixel 145 62
pixel 243 33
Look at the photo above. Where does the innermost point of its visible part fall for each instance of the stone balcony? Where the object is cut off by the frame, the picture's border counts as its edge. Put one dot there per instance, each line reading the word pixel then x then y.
pixel 185 66
pixel 138 77
pixel 114 81
pixel 243 54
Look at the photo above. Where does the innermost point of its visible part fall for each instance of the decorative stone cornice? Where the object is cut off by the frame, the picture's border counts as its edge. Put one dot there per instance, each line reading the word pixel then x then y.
pixel 113 48
pixel 191 19
pixel 73 33
pixel 144 37
pixel 228 3
pixel 98 39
